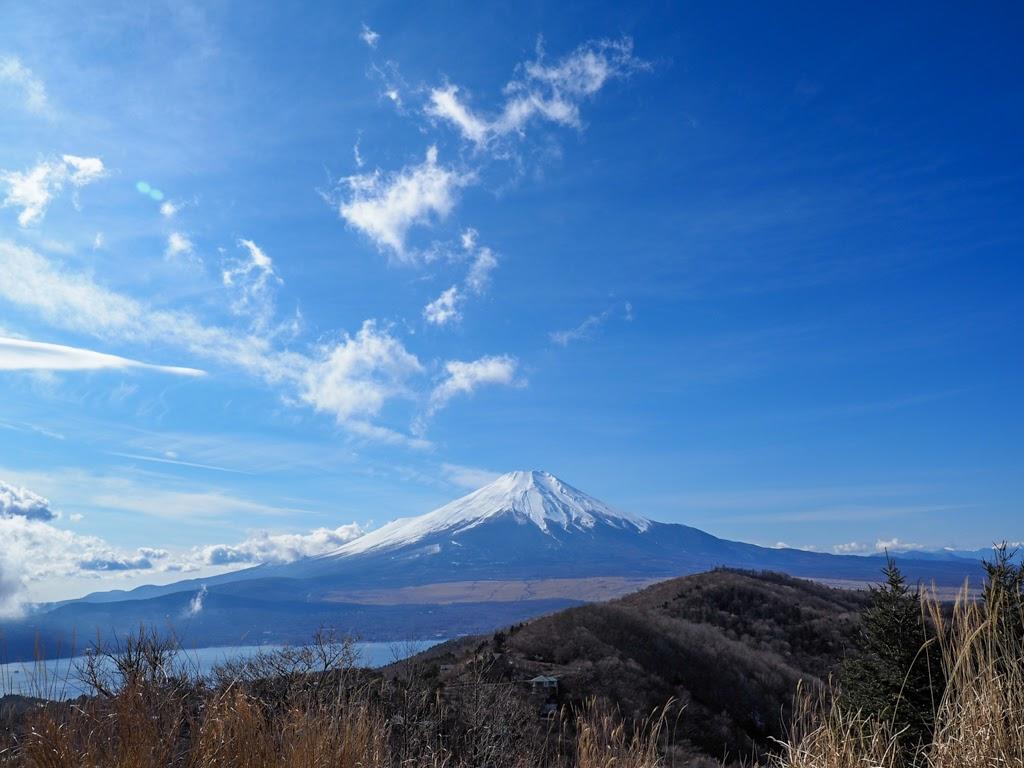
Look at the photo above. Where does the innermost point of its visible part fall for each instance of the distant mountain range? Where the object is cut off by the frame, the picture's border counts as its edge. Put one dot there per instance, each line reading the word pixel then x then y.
pixel 525 544
pixel 1014 550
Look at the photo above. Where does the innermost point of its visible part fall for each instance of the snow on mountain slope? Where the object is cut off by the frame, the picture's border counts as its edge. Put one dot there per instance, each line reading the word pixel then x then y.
pixel 537 498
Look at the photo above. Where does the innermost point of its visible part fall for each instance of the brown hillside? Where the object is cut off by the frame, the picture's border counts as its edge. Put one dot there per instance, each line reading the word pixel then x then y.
pixel 730 646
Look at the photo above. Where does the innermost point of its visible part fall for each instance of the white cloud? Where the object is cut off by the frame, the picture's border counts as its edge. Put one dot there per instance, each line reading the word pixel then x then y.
pixel 385 435
pixel 22 502
pixel 479 276
pixel 881 545
pixel 465 377
pixel 851 548
pixel 385 206
pixel 590 324
pixel 24 355
pixel 33 550
pixel 12 590
pixel 125 493
pixel 108 563
pixel 178 245
pixel 368 36
pixel 33 90
pixel 392 82
pixel 73 301
pixel 469 477
pixel 445 104
pixel 445 308
pixel 83 170
pixel 252 280
pixel 170 209
pixel 550 92
pixel 895 545
pixel 351 380
pixel 97 241
pixel 582 331
pixel 784 545
pixel 264 547
pixel 34 189
pixel 117 494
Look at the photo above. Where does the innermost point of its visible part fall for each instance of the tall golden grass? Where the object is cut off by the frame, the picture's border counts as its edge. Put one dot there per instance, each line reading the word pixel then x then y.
pixel 979 719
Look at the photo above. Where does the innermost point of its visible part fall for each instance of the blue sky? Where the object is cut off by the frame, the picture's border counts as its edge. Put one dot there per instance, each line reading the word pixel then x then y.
pixel 269 277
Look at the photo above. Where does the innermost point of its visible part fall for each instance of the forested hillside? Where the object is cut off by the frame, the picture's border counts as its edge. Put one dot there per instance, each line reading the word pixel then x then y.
pixel 729 646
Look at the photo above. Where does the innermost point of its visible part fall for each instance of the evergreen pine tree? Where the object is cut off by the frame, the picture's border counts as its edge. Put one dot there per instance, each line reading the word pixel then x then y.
pixel 896 675
pixel 1004 598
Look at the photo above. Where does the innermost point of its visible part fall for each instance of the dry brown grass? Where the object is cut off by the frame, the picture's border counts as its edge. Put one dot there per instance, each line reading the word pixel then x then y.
pixel 979 720
pixel 603 741
pixel 315 713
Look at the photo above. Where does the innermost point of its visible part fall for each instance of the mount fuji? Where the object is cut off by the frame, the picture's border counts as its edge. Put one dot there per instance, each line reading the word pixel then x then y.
pixel 525 544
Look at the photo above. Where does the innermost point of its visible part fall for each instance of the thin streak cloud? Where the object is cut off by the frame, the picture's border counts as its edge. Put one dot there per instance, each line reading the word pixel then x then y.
pixel 24 355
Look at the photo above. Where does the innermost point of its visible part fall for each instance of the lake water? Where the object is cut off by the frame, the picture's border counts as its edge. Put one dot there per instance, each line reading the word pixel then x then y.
pixel 58 679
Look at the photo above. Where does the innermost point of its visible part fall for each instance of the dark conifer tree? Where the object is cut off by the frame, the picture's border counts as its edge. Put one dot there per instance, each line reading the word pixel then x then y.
pixel 1004 598
pixel 896 674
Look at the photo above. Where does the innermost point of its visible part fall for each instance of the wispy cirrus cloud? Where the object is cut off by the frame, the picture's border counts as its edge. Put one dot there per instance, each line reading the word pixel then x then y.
pixel 446 308
pixel 464 377
pixel 126 489
pixel 468 477
pixel 25 355
pixel 33 189
pixel 368 36
pixel 74 301
pixel 479 276
pixel 582 331
pixel 392 83
pixel 350 379
pixel 31 88
pixel 252 281
pixel 542 91
pixel 588 327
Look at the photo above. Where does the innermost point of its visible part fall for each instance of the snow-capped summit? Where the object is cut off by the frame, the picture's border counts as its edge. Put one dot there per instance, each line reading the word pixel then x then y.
pixel 533 497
